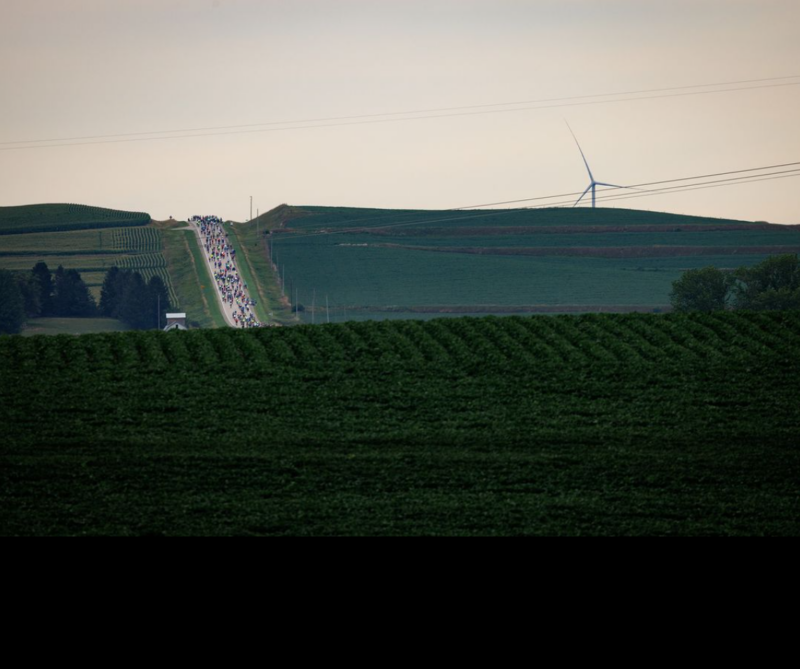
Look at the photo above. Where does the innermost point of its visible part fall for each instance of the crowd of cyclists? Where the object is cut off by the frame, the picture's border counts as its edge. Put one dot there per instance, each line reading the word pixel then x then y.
pixel 223 261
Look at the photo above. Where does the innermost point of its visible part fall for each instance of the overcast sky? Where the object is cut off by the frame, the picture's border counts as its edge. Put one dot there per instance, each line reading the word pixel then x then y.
pixel 92 68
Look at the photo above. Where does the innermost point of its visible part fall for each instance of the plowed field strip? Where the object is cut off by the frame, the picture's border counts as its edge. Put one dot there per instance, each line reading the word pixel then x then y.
pixel 604 252
pixel 560 229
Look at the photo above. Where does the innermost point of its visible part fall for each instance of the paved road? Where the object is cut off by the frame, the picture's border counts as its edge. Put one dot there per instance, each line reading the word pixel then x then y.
pixel 227 311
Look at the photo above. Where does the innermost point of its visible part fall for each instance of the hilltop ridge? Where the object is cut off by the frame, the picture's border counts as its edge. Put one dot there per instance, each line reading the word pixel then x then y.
pixel 63 217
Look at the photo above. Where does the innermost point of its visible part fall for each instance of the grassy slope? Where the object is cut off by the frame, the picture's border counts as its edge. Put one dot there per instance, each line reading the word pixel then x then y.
pixel 247 253
pixel 250 238
pixel 189 274
pixel 355 435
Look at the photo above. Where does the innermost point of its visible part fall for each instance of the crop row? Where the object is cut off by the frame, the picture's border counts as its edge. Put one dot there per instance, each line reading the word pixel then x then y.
pixel 83 211
pixel 143 240
pixel 142 261
pixel 465 343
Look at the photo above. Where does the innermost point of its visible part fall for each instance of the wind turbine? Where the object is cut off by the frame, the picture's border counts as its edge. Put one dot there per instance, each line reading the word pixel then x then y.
pixel 594 184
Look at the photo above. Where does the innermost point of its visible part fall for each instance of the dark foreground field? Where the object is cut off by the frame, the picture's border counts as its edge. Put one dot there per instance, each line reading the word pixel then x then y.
pixel 598 425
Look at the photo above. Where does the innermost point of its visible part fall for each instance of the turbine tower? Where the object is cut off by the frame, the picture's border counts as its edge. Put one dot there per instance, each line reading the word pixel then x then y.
pixel 594 184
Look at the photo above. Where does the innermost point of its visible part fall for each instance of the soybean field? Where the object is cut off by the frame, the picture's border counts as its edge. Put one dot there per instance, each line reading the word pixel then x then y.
pixel 634 424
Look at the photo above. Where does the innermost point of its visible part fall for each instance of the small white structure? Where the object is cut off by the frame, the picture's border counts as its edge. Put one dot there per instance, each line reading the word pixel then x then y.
pixel 176 322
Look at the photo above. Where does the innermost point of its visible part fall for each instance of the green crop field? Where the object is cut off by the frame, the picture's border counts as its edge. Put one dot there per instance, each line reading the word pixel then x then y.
pixel 121 240
pixel 779 236
pixel 584 425
pixel 141 240
pixel 373 262
pixel 55 243
pixel 64 217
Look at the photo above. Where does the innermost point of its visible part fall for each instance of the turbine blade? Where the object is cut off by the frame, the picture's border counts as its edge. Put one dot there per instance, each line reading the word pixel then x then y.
pixel 583 196
pixel 585 162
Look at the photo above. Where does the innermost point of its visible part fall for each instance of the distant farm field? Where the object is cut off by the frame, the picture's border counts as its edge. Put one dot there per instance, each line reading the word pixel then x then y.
pixel 358 262
pixel 569 425
pixel 88 239
pixel 64 217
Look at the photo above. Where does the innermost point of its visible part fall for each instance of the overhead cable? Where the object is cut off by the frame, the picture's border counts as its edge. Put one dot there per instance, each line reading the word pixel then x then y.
pixel 373 119
pixel 754 178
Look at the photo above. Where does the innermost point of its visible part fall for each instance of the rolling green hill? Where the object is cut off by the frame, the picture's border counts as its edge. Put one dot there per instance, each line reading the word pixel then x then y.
pixel 370 263
pixel 64 217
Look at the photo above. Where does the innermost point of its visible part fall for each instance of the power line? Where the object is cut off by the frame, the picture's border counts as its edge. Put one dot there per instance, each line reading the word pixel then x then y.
pixel 550 197
pixel 754 178
pixel 229 131
pixel 642 185
pixel 400 113
pixel 732 179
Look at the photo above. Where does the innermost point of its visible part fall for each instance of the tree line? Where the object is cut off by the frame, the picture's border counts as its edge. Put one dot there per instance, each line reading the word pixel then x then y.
pixel 126 297
pixel 41 293
pixel 773 285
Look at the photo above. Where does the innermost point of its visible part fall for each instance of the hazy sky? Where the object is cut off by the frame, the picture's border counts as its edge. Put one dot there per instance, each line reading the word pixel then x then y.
pixel 90 68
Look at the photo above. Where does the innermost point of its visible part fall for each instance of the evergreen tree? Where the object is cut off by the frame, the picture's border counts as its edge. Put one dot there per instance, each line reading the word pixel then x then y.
pixel 12 306
pixel 111 292
pixel 134 309
pixel 127 297
pixel 28 285
pixel 159 301
pixel 43 282
pixel 71 298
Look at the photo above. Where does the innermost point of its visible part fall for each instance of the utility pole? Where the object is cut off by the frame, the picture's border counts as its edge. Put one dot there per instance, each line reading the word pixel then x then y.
pixel 251 207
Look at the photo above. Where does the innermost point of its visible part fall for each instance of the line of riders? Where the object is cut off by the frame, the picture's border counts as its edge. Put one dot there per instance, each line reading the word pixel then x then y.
pixel 223 259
